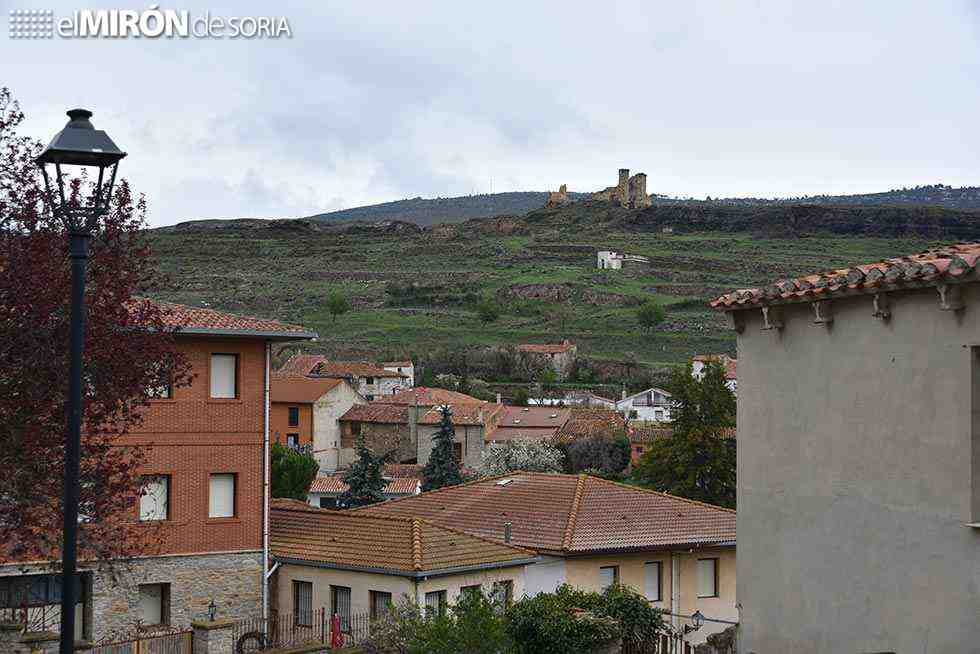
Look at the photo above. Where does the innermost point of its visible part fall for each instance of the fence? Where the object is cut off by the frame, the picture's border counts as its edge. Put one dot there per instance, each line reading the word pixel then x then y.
pixel 288 630
pixel 178 642
pixel 34 618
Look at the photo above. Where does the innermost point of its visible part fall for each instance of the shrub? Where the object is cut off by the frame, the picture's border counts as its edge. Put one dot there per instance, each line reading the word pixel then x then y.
pixel 547 623
pixel 521 454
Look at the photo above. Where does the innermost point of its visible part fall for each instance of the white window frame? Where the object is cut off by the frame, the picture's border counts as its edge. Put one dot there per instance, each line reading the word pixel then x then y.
pixel 653 580
pixel 218 509
pixel 218 388
pixel 154 496
pixel 705 567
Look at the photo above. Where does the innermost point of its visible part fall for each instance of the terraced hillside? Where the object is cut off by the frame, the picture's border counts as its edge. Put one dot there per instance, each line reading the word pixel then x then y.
pixel 414 289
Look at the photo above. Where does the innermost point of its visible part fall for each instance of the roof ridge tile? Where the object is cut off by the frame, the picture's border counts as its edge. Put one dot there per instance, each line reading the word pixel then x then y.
pixel 566 542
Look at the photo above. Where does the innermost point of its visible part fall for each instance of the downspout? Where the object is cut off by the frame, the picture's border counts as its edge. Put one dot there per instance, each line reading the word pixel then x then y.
pixel 265 483
pixel 675 591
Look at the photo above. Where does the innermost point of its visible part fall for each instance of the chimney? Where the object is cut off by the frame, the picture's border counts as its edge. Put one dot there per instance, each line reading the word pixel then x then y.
pixel 624 392
pixel 498 399
pixel 506 532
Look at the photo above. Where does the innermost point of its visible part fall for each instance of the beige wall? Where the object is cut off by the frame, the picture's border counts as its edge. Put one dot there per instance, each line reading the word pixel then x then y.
pixel 854 479
pixel 361 583
pixel 583 572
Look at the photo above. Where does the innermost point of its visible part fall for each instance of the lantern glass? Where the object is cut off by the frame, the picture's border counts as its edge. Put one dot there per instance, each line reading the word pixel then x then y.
pixel 80 144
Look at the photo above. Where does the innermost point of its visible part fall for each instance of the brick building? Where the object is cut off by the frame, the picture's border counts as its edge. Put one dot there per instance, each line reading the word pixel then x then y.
pixel 204 474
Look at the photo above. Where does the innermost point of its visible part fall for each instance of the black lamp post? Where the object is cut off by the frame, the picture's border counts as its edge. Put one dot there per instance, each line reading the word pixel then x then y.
pixel 78 144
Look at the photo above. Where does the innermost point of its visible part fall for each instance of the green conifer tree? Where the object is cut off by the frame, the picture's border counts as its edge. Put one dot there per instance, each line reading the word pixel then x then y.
pixel 443 466
pixel 364 483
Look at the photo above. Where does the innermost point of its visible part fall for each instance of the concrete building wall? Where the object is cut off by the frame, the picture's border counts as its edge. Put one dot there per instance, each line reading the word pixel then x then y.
pixel 545 576
pixel 326 427
pixel 484 578
pixel 854 479
pixel 583 572
pixel 469 436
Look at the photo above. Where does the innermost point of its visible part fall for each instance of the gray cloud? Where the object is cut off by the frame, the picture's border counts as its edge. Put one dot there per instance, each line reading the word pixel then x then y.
pixel 374 102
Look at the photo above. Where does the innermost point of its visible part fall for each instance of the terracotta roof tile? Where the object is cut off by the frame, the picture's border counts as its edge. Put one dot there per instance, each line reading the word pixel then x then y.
pixel 546 348
pixel 335 484
pixel 534 422
pixel 424 396
pixel 731 364
pixel 950 263
pixel 301 390
pixel 395 470
pixel 380 412
pixel 467 413
pixel 588 422
pixel 328 368
pixel 568 514
pixel 396 544
pixel 202 320
pixel 300 365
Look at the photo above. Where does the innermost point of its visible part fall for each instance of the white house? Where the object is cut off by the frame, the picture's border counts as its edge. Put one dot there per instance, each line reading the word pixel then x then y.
pixel 612 260
pixel 406 368
pixel 651 405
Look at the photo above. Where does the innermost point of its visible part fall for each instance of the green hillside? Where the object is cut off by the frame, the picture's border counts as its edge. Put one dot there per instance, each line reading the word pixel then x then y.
pixel 413 289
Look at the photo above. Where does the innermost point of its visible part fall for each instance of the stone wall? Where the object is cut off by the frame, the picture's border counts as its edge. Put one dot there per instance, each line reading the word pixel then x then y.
pixel 232 580
pixel 396 439
pixel 630 192
pixel 558 198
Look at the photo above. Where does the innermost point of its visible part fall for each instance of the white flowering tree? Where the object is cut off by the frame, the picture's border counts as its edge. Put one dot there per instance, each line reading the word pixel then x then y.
pixel 521 454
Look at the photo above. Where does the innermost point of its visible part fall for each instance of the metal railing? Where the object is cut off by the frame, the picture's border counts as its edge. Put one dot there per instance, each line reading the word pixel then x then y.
pixel 178 642
pixel 293 630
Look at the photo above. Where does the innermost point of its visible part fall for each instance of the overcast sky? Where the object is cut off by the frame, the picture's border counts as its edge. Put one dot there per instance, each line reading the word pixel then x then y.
pixel 377 101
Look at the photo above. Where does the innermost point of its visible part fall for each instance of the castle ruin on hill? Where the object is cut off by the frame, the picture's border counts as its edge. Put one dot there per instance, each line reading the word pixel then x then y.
pixel 631 192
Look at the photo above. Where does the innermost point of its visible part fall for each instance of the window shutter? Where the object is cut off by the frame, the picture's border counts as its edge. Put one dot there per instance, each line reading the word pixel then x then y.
pixel 224 372
pixel 707 577
pixel 221 501
pixel 653 573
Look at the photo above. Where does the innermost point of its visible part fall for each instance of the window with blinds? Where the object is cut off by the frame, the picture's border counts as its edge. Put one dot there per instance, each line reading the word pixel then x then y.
pixel 608 575
pixel 340 605
pixel 221 496
pixel 302 603
pixel 503 593
pixel 707 577
pixel 435 602
pixel 224 376
pixel 155 498
pixel 653 580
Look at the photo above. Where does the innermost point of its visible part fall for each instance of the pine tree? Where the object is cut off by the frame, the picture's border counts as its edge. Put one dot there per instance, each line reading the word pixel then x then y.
pixel 364 483
pixel 443 466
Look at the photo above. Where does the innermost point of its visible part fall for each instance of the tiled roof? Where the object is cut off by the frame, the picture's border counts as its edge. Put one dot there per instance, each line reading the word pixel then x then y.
pixel 352 368
pixel 377 412
pixel 395 470
pixel 300 365
pixel 948 264
pixel 408 546
pixel 424 396
pixel 546 348
pixel 201 320
pixel 535 422
pixel 301 390
pixel 334 484
pixel 587 422
pixel 568 514
pixel 467 413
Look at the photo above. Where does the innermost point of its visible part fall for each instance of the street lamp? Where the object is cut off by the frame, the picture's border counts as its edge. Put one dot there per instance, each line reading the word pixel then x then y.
pixel 78 144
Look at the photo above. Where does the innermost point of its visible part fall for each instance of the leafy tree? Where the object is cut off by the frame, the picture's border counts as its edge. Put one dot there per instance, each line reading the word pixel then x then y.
pixel 292 472
pixel 130 354
pixel 364 483
pixel 698 460
pixel 337 304
pixel 487 310
pixel 521 397
pixel 599 454
pixel 649 315
pixel 630 362
pixel 521 454
pixel 443 466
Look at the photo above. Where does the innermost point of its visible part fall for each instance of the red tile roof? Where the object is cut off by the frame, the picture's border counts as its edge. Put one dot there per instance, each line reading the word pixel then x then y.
pixel 300 365
pixel 424 396
pixel 407 546
pixel 951 263
pixel 204 321
pixel 395 470
pixel 568 514
pixel 589 422
pixel 334 484
pixel 468 413
pixel 391 414
pixel 534 422
pixel 301 390
pixel 546 348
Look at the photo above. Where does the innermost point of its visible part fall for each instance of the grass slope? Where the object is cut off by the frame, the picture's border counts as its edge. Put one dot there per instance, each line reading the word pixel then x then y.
pixel 414 289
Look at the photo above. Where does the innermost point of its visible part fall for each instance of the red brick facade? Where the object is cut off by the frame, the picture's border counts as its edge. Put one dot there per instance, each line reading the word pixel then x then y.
pixel 194 436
